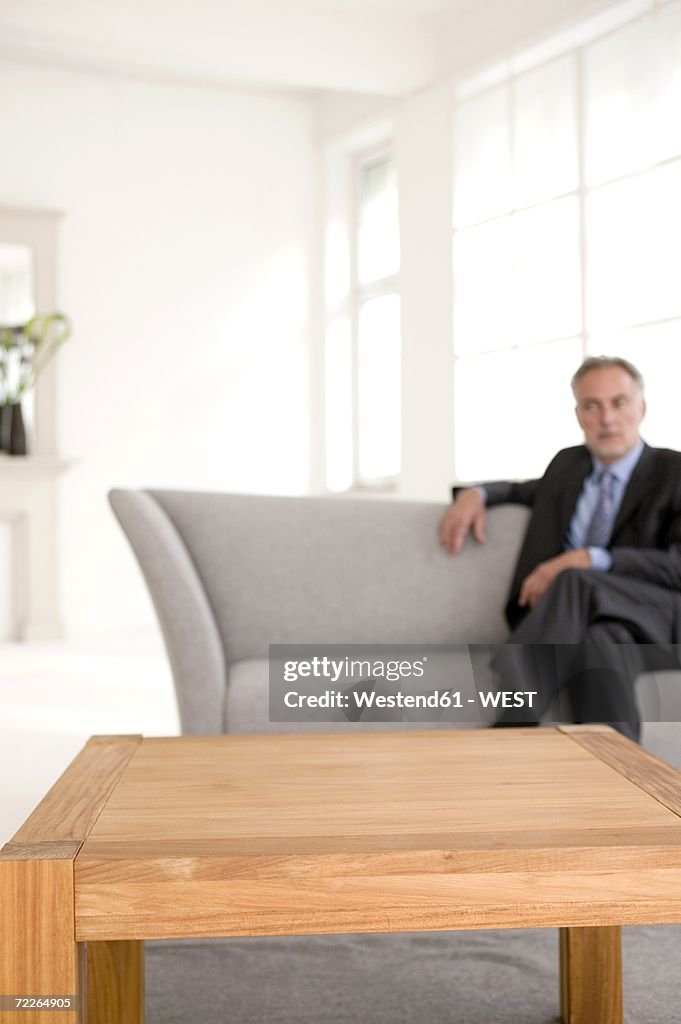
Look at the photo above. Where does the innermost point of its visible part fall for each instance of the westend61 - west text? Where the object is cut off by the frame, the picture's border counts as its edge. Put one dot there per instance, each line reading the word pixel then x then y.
pixel 437 699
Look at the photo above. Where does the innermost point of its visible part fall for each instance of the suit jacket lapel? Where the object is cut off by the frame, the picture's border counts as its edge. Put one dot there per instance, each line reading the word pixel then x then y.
pixel 572 489
pixel 639 484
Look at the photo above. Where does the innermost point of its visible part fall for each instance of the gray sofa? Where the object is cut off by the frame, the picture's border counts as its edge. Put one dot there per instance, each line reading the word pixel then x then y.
pixel 231 574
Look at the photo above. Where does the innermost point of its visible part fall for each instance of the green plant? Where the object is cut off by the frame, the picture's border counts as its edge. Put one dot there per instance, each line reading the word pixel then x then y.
pixel 26 349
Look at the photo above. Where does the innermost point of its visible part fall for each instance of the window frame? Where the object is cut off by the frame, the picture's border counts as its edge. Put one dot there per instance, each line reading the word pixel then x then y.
pixel 506 74
pixel 349 307
pixel 360 293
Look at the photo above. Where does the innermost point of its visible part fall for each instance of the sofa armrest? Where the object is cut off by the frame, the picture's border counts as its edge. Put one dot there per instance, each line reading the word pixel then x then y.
pixel 187 622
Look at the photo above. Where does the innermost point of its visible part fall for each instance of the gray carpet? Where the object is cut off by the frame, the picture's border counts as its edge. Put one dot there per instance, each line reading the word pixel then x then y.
pixel 508 977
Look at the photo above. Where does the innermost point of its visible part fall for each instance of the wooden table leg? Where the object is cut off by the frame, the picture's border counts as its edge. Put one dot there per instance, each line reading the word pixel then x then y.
pixel 591 975
pixel 39 955
pixel 40 958
pixel 115 982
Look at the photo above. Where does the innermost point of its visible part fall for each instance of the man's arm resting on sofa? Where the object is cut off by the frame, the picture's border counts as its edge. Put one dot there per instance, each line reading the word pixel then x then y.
pixel 467 511
pixel 503 492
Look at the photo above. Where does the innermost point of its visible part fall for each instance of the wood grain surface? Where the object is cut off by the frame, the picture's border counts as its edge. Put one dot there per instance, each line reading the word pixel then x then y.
pixel 591 975
pixel 652 775
pixel 70 808
pixel 310 833
pixel 39 956
pixel 39 953
pixel 115 992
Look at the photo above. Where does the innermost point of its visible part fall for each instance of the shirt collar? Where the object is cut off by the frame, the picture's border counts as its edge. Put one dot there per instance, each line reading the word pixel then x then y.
pixel 624 467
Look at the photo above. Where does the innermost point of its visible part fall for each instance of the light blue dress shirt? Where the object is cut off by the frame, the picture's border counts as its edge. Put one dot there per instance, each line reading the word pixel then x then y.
pixel 621 470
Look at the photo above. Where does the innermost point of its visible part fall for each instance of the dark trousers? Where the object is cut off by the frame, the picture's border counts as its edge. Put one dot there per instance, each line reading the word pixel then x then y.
pixel 592 633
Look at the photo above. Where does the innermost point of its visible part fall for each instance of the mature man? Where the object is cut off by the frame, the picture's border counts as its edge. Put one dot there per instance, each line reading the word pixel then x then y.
pixel 596 594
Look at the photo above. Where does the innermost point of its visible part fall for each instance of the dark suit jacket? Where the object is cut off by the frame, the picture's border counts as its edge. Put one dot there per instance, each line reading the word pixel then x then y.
pixel 646 537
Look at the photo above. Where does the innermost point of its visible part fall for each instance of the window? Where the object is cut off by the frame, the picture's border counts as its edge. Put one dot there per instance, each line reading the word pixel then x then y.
pixel 567 234
pixel 363 347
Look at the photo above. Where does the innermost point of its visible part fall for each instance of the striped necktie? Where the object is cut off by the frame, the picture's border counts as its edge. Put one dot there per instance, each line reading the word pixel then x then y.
pixel 600 527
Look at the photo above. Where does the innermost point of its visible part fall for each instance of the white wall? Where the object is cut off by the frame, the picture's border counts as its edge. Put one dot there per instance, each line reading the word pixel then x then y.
pixel 187 242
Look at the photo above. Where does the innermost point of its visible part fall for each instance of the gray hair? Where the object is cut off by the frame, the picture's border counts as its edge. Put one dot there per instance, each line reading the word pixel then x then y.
pixel 607 363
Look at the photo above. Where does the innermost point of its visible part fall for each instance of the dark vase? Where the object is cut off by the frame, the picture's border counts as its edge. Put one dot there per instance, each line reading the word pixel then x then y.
pixel 17 431
pixel 5 424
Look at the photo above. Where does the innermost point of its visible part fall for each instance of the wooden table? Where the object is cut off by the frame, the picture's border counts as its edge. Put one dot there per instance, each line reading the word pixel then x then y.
pixel 575 828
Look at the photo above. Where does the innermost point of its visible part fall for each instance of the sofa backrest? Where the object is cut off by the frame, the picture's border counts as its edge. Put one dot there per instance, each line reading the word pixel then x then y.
pixel 331 570
pixel 231 574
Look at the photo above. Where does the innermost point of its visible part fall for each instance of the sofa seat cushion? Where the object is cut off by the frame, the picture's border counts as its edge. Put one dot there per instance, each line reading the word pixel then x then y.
pixel 247 700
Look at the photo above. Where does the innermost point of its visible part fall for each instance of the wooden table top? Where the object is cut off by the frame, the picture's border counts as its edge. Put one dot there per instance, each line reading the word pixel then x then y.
pixel 297 794
pixel 366 832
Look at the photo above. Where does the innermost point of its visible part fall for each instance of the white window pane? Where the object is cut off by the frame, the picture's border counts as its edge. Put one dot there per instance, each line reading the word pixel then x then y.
pixel 483 287
pixel 514 410
pixel 546 280
pixel 656 352
pixel 517 279
pixel 632 93
pixel 379 388
pixel 545 133
pixel 338 369
pixel 634 250
pixel 584 31
pixel 379 232
pixel 482 168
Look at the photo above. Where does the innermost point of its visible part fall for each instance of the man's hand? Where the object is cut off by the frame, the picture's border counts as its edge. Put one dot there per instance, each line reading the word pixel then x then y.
pixel 538 582
pixel 466 513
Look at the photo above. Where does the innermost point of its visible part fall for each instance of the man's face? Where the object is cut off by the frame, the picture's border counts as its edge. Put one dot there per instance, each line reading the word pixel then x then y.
pixel 609 408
